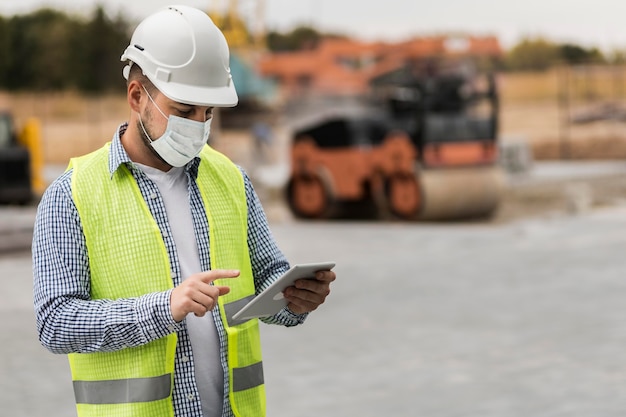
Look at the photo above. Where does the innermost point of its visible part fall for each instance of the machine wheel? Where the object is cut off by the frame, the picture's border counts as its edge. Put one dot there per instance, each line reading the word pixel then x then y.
pixel 309 197
pixel 403 196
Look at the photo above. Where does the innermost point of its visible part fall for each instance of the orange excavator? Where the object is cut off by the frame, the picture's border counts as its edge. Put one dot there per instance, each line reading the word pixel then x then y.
pixel 424 147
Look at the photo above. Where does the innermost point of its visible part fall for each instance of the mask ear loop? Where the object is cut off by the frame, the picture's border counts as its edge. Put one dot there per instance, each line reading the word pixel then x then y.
pixel 144 129
pixel 139 114
pixel 153 102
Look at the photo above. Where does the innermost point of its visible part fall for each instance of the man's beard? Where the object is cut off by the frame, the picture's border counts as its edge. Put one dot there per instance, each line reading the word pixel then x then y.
pixel 145 139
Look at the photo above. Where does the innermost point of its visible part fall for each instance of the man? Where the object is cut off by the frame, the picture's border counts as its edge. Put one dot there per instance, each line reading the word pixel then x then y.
pixel 144 249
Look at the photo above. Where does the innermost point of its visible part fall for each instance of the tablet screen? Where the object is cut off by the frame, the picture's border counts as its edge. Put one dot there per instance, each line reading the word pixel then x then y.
pixel 271 300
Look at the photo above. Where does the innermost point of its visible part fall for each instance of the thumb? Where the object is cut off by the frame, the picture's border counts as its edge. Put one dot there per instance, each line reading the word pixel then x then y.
pixel 223 290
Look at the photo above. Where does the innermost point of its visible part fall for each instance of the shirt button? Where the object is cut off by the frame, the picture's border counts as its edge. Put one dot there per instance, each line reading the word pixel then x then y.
pixel 153 196
pixel 170 328
pixel 185 358
pixel 165 234
pixel 191 397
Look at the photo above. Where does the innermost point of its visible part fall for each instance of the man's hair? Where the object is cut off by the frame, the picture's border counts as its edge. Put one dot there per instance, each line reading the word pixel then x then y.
pixel 136 73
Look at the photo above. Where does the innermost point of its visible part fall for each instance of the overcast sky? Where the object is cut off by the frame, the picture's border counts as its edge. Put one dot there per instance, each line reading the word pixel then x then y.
pixel 600 23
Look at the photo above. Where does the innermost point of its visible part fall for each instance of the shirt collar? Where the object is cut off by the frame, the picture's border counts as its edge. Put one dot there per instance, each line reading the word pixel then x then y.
pixel 118 155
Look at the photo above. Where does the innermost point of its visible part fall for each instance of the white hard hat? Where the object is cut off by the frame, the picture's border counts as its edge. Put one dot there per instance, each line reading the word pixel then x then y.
pixel 185 56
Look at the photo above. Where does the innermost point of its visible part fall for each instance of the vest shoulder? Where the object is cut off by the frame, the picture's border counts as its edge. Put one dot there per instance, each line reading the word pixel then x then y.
pixel 217 163
pixel 215 156
pixel 97 156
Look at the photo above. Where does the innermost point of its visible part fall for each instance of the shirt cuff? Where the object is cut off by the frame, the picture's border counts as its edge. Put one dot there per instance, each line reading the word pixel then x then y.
pixel 154 316
pixel 286 317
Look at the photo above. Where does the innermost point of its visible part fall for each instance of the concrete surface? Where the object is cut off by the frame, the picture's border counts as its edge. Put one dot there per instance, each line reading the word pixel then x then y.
pixel 16 227
pixel 544 171
pixel 438 320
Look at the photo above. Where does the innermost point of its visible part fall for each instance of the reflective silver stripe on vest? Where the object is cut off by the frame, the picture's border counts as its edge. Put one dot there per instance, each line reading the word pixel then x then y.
pixel 235 306
pixel 247 377
pixel 122 391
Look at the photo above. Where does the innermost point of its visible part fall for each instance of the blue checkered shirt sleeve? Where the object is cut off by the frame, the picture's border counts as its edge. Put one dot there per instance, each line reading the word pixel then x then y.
pixel 69 321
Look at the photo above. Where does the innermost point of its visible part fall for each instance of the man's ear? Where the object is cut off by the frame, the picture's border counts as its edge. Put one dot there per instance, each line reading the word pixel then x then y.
pixel 134 94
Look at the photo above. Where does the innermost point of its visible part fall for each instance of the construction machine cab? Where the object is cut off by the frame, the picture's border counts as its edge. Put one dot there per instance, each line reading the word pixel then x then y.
pixel 347 130
pixel 449 110
pixel 15 176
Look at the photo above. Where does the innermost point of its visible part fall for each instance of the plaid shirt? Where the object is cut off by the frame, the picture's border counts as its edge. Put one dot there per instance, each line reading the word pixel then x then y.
pixel 69 321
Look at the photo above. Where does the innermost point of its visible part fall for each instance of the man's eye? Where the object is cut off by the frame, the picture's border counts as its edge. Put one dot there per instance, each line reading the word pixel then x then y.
pixel 185 113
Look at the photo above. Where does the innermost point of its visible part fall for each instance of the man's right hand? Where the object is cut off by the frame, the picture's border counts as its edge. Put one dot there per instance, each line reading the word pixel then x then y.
pixel 196 294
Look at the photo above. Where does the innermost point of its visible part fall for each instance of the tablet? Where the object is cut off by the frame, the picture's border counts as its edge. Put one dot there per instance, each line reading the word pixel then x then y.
pixel 271 300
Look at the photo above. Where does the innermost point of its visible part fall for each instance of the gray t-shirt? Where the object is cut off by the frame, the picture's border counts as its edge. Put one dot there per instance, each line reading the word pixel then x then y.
pixel 205 342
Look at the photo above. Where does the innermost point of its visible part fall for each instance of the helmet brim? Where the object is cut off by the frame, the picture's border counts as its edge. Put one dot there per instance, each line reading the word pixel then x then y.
pixel 199 96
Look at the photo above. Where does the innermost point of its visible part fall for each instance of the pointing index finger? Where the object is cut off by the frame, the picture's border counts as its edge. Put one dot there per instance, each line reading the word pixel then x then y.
pixel 215 274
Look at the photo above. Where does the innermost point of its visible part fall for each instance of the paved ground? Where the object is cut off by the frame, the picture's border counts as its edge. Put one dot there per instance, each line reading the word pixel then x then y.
pixel 473 320
pixel 16 227
pixel 544 171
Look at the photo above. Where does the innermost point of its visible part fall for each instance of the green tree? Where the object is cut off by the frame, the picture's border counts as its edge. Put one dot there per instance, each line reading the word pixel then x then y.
pixel 20 47
pixel 4 49
pixel 303 37
pixel 532 54
pixel 50 31
pixel 49 50
pixel 575 54
pixel 617 57
pixel 98 51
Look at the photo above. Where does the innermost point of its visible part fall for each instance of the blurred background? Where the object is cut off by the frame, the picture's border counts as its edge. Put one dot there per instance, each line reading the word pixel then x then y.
pixel 469 83
pixel 463 162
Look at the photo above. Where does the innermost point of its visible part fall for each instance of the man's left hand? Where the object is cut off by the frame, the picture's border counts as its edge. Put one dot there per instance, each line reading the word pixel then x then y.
pixel 308 294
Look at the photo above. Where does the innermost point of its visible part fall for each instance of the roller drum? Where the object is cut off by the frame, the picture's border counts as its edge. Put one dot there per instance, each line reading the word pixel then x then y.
pixel 460 193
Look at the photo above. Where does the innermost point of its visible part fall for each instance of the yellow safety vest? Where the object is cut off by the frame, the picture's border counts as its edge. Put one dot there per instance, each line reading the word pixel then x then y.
pixel 128 258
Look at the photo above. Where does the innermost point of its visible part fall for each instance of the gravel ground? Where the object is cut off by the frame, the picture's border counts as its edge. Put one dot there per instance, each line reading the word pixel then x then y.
pixel 440 320
pixel 564 196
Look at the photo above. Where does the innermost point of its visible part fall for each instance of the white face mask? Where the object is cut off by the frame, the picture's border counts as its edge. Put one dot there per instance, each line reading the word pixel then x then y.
pixel 182 140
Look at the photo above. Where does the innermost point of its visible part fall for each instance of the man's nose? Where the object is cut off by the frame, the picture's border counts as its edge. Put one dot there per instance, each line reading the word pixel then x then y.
pixel 201 115
pixel 198 116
